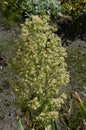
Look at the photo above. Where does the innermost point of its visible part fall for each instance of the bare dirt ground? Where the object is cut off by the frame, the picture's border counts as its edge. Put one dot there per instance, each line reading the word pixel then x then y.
pixel 8 109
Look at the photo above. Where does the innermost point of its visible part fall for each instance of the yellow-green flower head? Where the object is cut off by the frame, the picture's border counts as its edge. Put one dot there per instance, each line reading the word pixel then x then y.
pixel 40 67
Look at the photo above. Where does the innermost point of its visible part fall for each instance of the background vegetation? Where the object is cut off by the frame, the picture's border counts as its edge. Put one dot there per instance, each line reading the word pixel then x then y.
pixel 70 17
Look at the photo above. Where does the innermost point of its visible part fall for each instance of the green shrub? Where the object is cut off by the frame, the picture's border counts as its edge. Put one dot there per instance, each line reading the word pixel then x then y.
pixel 41 7
pixel 74 8
pixel 40 70
pixel 16 9
pixel 10 9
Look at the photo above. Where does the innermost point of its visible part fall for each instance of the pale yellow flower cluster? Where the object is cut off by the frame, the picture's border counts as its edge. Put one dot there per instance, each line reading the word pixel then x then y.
pixel 41 69
pixel 34 104
pixel 45 117
pixel 48 127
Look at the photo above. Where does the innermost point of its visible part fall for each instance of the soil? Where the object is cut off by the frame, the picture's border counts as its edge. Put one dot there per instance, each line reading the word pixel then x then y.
pixel 8 109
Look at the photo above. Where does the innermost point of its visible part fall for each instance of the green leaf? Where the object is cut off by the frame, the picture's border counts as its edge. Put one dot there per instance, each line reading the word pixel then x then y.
pixel 20 126
pixel 5 2
pixel 83 110
pixel 80 103
pixel 84 1
pixel 53 125
pixel 68 128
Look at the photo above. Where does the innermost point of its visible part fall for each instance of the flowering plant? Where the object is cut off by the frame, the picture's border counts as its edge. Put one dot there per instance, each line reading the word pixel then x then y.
pixel 40 69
